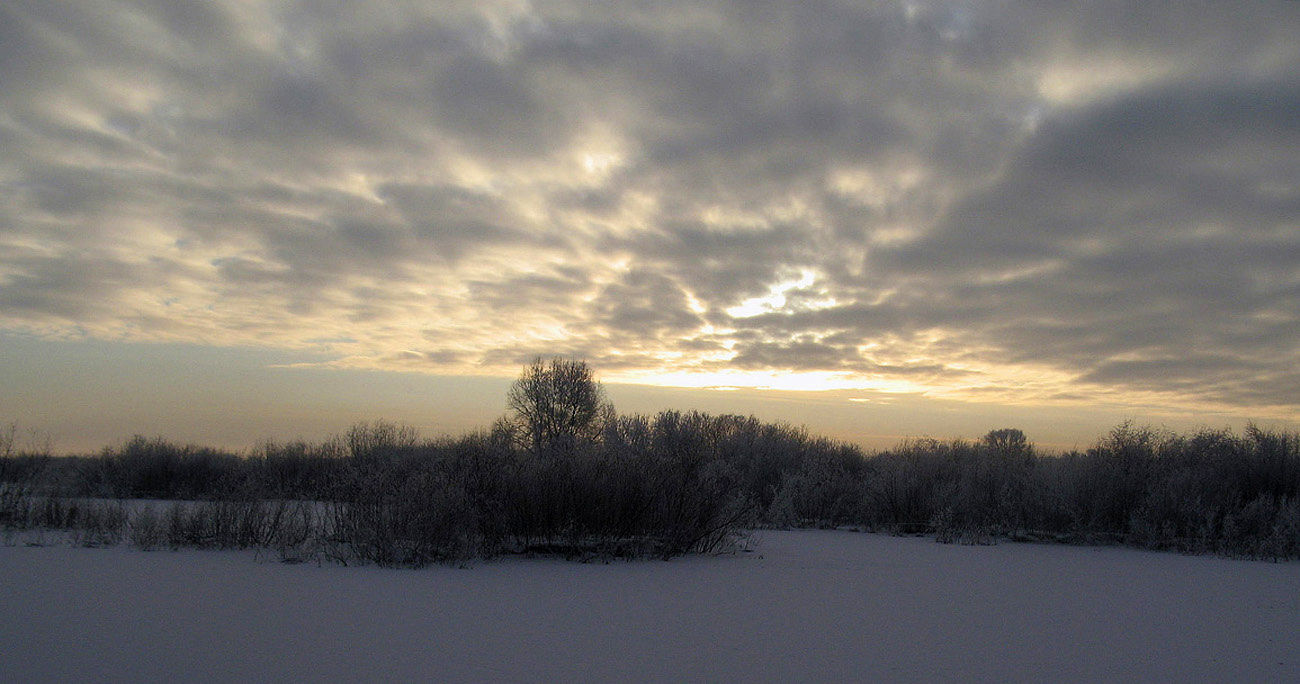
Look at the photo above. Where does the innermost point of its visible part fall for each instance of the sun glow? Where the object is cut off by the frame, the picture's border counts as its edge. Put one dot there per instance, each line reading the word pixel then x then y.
pixel 778 296
pixel 731 380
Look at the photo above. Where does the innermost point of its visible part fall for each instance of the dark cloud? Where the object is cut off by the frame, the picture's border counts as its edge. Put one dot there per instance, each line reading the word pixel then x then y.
pixel 63 288
pixel 89 287
pixel 647 305
pixel 1159 223
pixel 717 265
pixel 955 194
pixel 800 355
pixel 557 291
pixel 452 220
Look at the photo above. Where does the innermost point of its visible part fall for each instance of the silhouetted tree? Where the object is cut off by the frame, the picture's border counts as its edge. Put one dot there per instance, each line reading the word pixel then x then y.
pixel 1007 441
pixel 557 404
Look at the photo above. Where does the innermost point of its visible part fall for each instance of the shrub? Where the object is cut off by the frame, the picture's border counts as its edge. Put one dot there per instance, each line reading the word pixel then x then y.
pixel 146 529
pixel 664 485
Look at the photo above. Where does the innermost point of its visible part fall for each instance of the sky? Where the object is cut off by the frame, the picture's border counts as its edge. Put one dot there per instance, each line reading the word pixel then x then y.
pixel 237 220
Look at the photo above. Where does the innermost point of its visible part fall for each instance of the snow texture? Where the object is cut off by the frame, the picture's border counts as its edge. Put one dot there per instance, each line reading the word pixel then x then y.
pixel 803 606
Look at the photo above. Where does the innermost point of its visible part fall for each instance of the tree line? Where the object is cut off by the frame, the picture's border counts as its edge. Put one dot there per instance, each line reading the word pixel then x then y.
pixel 565 474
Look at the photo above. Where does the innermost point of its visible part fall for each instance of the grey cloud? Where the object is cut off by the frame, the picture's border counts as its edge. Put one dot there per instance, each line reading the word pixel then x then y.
pixel 824 355
pixel 417 226
pixel 799 355
pixel 90 287
pixel 290 109
pixel 341 246
pixel 558 291
pixel 62 288
pixel 703 343
pixel 737 115
pixel 1141 169
pixel 70 191
pixel 1227 40
pixel 1226 378
pixel 42 43
pixel 1137 225
pixel 495 109
pixel 1153 220
pixel 646 305
pixel 1181 370
pixel 452 220
pixel 718 266
pixel 243 273
pixel 26 63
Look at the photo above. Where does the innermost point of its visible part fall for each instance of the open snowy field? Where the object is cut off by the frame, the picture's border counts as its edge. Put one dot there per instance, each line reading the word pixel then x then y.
pixel 805 606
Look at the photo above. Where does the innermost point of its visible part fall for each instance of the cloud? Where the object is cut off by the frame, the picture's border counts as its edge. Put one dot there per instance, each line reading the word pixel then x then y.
pixel 979 198
pixel 646 305
pixel 1160 224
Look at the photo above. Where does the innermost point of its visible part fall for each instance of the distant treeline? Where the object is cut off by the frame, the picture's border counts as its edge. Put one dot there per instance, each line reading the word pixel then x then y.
pixel 663 485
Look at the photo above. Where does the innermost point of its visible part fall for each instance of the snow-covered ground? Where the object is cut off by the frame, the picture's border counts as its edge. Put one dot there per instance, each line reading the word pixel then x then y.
pixel 805 606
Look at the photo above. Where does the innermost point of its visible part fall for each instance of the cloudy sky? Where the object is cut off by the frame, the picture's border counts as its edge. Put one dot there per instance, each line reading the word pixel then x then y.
pixel 1006 210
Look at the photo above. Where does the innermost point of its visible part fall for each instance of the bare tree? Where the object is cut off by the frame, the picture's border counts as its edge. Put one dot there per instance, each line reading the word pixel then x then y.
pixel 1007 441
pixel 557 404
pixel 369 441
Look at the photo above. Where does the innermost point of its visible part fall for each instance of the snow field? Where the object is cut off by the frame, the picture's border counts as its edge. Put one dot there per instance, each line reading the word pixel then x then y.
pixel 804 606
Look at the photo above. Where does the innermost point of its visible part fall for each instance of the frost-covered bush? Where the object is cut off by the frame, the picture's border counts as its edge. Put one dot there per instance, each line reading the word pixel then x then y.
pixel 662 485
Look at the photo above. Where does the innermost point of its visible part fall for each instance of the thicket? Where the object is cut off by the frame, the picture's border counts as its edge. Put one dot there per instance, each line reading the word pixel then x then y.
pixel 1212 491
pixel 380 494
pixel 663 485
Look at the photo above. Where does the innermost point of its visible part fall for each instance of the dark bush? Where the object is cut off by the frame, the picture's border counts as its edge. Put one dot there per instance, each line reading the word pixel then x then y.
pixel 664 485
